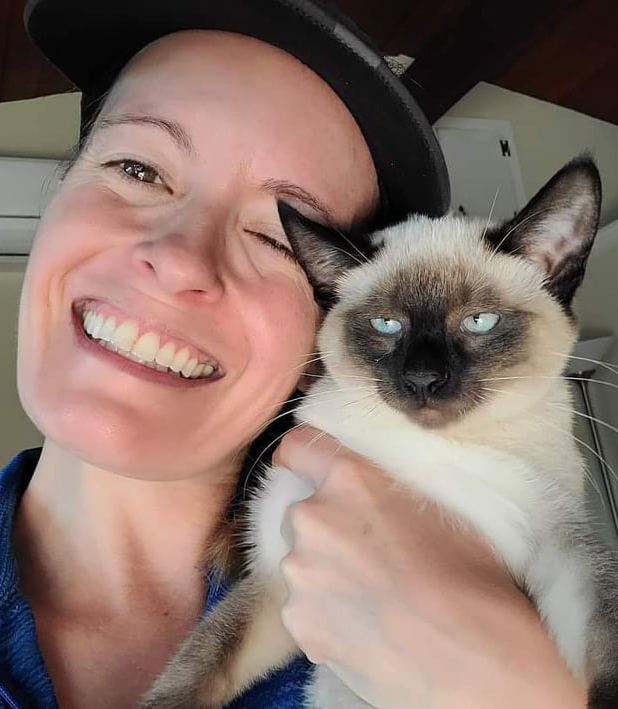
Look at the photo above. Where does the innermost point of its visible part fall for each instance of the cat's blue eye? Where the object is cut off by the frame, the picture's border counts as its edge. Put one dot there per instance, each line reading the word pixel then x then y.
pixel 480 323
pixel 386 326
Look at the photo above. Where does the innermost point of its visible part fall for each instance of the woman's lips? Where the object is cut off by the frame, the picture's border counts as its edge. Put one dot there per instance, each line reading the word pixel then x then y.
pixel 130 362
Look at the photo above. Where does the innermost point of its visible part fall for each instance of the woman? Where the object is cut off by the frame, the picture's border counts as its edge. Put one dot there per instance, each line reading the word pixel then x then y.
pixel 163 240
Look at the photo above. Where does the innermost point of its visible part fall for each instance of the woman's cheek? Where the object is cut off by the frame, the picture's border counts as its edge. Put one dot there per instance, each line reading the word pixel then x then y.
pixel 286 327
pixel 298 317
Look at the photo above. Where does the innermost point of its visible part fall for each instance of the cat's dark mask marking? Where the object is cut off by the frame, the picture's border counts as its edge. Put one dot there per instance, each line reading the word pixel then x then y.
pixel 557 227
pixel 432 371
pixel 324 253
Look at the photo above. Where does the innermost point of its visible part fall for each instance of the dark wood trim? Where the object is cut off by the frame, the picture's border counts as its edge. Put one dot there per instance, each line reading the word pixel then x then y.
pixel 477 43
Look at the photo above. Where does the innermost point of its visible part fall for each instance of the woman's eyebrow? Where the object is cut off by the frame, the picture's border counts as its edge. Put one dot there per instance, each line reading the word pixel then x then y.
pixel 178 134
pixel 284 188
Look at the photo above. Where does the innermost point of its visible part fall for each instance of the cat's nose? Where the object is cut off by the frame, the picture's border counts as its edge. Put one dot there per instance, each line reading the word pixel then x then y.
pixel 423 383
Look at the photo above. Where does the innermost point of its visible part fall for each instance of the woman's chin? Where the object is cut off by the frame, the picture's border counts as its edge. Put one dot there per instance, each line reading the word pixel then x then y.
pixel 111 437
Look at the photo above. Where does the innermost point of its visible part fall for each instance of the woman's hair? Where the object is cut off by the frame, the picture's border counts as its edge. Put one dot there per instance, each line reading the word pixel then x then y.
pixel 90 111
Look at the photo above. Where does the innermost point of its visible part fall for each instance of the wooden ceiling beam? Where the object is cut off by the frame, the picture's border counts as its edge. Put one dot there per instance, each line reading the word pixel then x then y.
pixel 477 43
pixel 576 65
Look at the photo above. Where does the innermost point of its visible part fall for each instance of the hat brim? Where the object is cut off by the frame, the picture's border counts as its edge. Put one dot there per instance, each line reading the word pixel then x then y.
pixel 91 41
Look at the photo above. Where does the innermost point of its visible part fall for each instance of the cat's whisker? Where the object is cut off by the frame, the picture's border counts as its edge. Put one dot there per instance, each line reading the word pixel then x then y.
pixel 304 407
pixel 586 472
pixel 558 377
pixel 263 453
pixel 327 396
pixel 587 416
pixel 491 213
pixel 516 226
pixel 605 365
pixel 301 407
pixel 305 397
pixel 357 401
pixel 279 416
pixel 279 404
pixel 347 253
pixel 345 376
pixel 561 408
pixel 317 358
pixel 544 421
pixel 316 438
pixel 353 245
pixel 380 403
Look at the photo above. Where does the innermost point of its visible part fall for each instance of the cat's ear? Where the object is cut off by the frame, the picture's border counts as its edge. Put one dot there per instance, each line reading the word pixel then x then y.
pixel 324 253
pixel 557 227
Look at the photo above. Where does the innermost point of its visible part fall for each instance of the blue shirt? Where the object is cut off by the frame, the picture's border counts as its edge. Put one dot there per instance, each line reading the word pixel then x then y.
pixel 24 682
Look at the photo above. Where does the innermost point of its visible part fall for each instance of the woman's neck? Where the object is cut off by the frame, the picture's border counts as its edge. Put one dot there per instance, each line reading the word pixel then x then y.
pixel 100 543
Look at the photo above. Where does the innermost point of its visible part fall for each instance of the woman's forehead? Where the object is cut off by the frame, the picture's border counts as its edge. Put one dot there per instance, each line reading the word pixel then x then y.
pixel 240 100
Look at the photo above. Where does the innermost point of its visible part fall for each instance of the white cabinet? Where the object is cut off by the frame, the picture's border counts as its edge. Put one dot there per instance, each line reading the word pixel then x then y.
pixel 483 167
pixel 25 187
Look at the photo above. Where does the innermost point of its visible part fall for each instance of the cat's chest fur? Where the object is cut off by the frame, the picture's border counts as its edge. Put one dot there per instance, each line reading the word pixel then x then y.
pixel 500 494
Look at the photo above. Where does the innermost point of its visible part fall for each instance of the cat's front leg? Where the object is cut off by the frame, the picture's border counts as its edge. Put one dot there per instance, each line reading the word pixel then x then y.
pixel 603 638
pixel 576 592
pixel 239 642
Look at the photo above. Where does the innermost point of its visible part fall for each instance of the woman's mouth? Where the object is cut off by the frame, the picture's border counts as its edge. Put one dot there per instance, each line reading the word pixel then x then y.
pixel 142 345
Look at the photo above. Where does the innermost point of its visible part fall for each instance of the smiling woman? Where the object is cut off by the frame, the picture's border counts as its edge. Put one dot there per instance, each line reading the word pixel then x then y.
pixel 183 237
pixel 163 324
pixel 150 338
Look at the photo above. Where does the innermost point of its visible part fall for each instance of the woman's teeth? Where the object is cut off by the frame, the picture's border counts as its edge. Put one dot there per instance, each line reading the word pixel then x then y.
pixel 123 338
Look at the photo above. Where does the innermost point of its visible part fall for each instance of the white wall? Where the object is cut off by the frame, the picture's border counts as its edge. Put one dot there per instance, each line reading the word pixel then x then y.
pixel 39 128
pixel 16 431
pixel 597 309
pixel 547 136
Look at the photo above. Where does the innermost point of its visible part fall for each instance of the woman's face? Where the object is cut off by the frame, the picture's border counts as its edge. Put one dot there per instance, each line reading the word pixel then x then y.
pixel 168 224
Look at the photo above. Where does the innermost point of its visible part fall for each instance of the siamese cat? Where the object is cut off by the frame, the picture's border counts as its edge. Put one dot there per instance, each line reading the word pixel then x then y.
pixel 457 332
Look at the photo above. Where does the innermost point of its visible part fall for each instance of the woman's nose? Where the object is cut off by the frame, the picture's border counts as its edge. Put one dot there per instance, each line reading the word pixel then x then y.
pixel 180 266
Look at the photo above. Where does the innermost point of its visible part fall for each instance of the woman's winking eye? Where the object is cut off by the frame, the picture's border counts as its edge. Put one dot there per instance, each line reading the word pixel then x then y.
pixel 273 243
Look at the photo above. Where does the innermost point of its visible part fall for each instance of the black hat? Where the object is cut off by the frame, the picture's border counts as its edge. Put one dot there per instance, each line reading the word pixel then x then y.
pixel 91 40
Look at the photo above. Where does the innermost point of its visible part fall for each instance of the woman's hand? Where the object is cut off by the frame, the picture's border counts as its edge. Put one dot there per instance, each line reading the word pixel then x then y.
pixel 407 608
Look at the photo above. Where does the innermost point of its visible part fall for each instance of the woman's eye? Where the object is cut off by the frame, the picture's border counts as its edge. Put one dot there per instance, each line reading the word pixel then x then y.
pixel 137 171
pixel 480 323
pixel 273 243
pixel 386 326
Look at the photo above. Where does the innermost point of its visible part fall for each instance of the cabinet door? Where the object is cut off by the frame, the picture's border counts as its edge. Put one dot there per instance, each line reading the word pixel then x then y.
pixel 16 235
pixel 483 167
pixel 25 185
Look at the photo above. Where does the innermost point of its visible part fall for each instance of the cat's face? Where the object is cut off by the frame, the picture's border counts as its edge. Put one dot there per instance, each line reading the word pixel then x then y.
pixel 438 320
pixel 445 316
